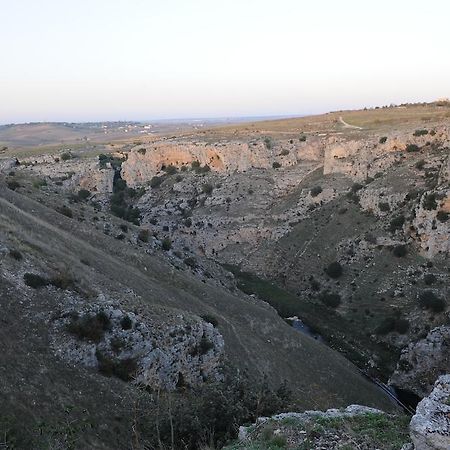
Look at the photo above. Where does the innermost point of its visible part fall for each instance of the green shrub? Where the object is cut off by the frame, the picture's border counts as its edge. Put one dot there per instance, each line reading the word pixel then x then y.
pixel 166 244
pixel 190 262
pixel 126 323
pixel 12 184
pixel 396 223
pixel 429 202
pixel 83 194
pixel 37 184
pixel 442 216
pixel 276 165
pixel 420 164
pixel 91 327
pixel 62 281
pixel 35 281
pixel 356 187
pixel 170 170
pixel 195 164
pixel 332 300
pixel 207 188
pixel 268 143
pixel 334 270
pixel 156 182
pixel 66 156
pixel 65 211
pixel 390 324
pixel 302 138
pixel 124 369
pixel 429 300
pixel 384 206
pixel 284 152
pixel 144 235
pixel 15 254
pixel 399 251
pixel 410 148
pixel 420 132
pixel 210 319
pixel 383 139
pixel 315 191
pixel 142 151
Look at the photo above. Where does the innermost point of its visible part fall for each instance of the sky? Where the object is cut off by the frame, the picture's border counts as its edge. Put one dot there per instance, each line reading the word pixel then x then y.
pixel 92 60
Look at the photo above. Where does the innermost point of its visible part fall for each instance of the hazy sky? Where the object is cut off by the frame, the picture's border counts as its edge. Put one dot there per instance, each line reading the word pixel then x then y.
pixel 141 59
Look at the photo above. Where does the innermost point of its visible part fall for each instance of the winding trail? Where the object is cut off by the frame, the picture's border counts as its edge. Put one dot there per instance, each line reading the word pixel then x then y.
pixel 347 125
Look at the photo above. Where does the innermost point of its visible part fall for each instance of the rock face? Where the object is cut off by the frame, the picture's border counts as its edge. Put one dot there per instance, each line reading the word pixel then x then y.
pixel 430 426
pixel 431 225
pixel 7 164
pixel 180 352
pixel 143 163
pixel 350 411
pixel 423 361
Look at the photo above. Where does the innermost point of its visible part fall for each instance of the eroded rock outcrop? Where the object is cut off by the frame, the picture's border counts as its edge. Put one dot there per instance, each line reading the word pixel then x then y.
pixel 179 352
pixel 145 162
pixel 430 426
pixel 423 361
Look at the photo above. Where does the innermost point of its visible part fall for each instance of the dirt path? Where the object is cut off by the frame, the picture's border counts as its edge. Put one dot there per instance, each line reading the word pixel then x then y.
pixel 347 125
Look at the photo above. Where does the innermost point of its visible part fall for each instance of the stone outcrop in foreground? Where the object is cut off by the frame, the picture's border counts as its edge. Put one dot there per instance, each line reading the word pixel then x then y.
pixel 430 427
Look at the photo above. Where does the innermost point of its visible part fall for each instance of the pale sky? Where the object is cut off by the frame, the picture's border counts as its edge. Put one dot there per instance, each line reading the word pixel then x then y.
pixel 88 60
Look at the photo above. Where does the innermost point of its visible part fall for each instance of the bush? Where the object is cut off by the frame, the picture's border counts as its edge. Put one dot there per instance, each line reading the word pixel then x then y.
pixel 66 156
pixel 356 187
pixel 399 251
pixel 12 184
pixel 429 279
pixel 334 270
pixel 420 164
pixel 91 327
pixel 302 138
pixel 284 152
pixel 170 170
pixel 429 202
pixel 62 281
pixel 35 281
pixel 276 165
pixel 195 165
pixel 166 244
pixel 383 139
pixel 268 143
pixel 410 148
pixel 390 324
pixel 65 211
pixel 420 133
pixel 126 323
pixel 442 216
pixel 83 194
pixel 396 223
pixel 429 300
pixel 144 235
pixel 156 182
pixel 384 206
pixel 190 262
pixel 15 254
pixel 332 300
pixel 124 369
pixel 142 151
pixel 210 319
pixel 207 188
pixel 315 191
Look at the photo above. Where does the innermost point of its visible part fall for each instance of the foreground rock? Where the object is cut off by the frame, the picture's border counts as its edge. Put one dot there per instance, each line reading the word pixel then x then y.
pixel 353 427
pixel 423 361
pixel 430 427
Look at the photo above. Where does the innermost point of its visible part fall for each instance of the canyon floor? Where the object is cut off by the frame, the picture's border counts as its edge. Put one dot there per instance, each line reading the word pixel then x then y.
pixel 148 283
